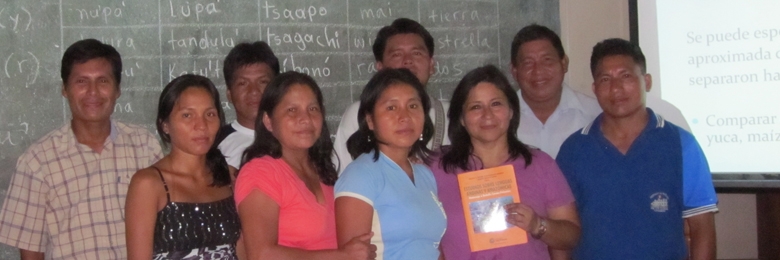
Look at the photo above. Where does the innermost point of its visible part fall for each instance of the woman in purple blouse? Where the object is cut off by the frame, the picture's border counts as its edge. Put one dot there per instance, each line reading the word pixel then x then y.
pixel 484 116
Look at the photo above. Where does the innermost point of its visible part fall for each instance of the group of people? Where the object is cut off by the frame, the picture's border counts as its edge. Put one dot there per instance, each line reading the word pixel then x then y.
pixel 604 178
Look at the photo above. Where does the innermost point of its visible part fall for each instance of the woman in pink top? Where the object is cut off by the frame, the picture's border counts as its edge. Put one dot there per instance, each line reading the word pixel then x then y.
pixel 284 189
pixel 484 116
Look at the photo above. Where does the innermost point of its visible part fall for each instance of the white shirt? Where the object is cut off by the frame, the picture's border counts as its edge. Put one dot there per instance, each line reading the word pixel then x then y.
pixel 235 143
pixel 573 112
pixel 349 125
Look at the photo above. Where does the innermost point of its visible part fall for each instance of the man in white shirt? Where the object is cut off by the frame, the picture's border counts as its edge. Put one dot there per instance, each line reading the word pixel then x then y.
pixel 550 110
pixel 403 44
pixel 248 69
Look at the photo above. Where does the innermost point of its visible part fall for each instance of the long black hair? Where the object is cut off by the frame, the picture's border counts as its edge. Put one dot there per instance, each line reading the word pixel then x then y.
pixel 457 156
pixel 215 161
pixel 266 143
pixel 364 140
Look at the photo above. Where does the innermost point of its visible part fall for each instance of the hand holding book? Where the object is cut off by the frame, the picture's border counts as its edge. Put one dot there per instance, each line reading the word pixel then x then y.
pixel 484 194
pixel 522 216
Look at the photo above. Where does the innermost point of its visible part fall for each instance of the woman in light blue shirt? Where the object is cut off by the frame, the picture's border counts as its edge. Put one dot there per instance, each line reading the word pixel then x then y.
pixel 387 189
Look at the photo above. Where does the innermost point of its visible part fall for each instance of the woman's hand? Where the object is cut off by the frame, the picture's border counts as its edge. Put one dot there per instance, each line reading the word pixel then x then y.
pixel 522 216
pixel 360 247
pixel 562 225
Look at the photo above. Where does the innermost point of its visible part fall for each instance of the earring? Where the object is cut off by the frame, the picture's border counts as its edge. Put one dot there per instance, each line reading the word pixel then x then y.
pixel 421 137
pixel 369 138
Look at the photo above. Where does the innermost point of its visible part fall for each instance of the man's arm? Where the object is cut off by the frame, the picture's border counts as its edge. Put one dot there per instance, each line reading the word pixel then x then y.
pixel 699 199
pixel 30 255
pixel 702 236
pixel 22 218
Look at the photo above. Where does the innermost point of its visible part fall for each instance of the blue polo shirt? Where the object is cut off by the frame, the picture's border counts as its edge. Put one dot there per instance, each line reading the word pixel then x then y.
pixel 632 206
pixel 408 218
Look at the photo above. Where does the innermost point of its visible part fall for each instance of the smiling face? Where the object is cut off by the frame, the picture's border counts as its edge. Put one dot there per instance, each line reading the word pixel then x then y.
pixel 620 86
pixel 398 118
pixel 248 85
pixel 486 114
pixel 193 122
pixel 408 51
pixel 296 121
pixel 539 70
pixel 91 91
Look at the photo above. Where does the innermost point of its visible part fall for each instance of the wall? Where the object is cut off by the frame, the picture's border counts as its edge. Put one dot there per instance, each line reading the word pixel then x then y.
pixel 583 24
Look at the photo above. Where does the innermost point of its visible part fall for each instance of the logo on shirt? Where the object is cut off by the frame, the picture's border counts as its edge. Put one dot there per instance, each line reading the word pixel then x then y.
pixel 660 202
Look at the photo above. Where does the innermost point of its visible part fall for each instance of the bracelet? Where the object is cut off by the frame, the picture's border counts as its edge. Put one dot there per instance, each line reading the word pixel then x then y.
pixel 541 229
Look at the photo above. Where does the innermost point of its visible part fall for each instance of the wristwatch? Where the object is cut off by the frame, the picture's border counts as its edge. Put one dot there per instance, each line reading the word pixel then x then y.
pixel 541 229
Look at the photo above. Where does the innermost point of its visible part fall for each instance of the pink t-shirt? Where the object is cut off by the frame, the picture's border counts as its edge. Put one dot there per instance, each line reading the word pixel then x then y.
pixel 303 222
pixel 541 186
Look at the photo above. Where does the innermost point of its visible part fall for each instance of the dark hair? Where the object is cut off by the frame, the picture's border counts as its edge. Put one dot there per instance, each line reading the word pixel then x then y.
pixel 536 32
pixel 245 54
pixel 457 156
pixel 168 98
pixel 359 143
pixel 617 46
pixel 266 144
pixel 400 26
pixel 88 49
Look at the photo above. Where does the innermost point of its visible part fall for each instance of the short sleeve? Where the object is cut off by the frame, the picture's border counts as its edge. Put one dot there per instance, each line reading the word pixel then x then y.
pixel 557 188
pixel 154 148
pixel 359 180
pixel 698 192
pixel 23 216
pixel 233 141
pixel 232 154
pixel 145 144
pixel 347 126
pixel 263 174
pixel 233 157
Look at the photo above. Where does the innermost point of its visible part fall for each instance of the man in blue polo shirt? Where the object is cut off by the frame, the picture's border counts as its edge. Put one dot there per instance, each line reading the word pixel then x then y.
pixel 636 177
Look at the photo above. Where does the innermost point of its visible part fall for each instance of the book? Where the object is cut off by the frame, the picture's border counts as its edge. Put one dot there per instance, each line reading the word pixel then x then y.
pixel 484 194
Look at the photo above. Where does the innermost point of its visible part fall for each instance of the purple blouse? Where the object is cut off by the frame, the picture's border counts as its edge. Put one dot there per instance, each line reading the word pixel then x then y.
pixel 542 186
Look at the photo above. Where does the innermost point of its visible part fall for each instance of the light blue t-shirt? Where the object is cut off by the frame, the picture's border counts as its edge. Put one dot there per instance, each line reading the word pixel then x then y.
pixel 408 218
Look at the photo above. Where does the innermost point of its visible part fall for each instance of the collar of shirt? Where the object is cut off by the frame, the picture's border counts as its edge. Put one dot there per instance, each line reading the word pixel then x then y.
pixel 569 101
pixel 654 121
pixel 387 161
pixel 67 137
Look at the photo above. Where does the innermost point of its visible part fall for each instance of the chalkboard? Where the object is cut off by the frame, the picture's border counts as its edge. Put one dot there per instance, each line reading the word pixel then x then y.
pixel 159 40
